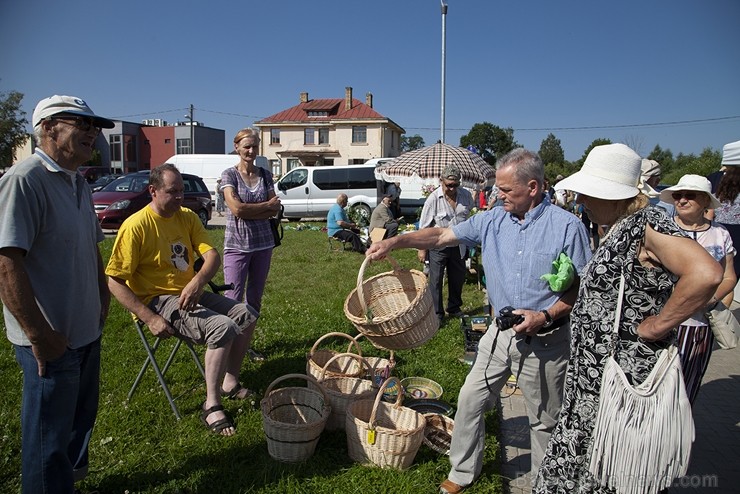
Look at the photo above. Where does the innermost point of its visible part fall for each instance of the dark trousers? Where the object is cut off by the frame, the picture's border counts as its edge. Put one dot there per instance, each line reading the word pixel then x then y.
pixel 348 236
pixel 449 258
pixel 391 229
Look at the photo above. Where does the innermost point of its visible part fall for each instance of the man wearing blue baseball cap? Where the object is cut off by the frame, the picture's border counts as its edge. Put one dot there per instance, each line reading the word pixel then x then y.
pixel 54 293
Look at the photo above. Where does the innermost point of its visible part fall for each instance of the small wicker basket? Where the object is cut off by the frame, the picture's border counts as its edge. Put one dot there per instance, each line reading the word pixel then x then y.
pixel 394 310
pixel 342 390
pixel 380 368
pixel 438 432
pixel 317 358
pixel 383 434
pixel 293 419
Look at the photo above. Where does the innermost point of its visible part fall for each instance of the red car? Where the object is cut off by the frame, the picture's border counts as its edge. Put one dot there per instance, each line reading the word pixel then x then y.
pixel 127 194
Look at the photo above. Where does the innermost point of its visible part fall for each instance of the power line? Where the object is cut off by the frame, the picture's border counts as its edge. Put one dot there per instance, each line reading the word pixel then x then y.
pixel 602 127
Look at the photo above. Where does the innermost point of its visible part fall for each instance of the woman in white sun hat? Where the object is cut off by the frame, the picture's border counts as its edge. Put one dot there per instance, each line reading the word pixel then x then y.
pixel 668 277
pixel 692 196
pixel 728 193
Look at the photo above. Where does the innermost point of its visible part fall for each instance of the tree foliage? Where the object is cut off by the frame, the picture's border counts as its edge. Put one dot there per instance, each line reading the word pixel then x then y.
pixel 596 142
pixel 665 158
pixel 707 162
pixel 12 126
pixel 490 140
pixel 551 151
pixel 411 143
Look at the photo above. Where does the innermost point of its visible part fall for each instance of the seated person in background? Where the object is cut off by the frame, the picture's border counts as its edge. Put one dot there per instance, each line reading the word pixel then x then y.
pixel 151 274
pixel 382 217
pixel 340 227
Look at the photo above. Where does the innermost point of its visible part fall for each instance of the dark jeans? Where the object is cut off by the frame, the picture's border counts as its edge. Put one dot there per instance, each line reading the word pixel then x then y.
pixel 348 236
pixel 57 418
pixel 449 258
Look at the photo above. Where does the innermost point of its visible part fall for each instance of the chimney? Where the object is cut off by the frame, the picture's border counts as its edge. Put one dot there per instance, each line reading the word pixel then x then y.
pixel 369 99
pixel 304 98
pixel 347 98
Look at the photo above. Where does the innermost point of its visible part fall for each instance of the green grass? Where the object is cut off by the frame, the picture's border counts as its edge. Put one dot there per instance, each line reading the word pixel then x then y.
pixel 140 447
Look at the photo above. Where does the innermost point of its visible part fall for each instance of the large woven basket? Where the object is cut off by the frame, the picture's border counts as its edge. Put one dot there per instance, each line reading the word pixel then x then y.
pixel 341 391
pixel 394 310
pixel 293 419
pixel 380 368
pixel 346 366
pixel 387 435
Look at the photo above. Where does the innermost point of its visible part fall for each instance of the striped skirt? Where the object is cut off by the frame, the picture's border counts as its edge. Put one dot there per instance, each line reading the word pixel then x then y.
pixel 695 349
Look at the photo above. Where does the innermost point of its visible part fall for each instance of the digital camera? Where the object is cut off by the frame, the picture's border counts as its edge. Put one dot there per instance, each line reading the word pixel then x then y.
pixel 506 318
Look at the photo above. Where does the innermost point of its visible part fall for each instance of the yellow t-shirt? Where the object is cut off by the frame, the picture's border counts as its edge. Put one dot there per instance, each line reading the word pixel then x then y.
pixel 155 255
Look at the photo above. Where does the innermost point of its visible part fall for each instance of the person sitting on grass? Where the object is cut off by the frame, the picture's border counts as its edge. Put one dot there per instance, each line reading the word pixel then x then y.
pixel 151 274
pixel 340 227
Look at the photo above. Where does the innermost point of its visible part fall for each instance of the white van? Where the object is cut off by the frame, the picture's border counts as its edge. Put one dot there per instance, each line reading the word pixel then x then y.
pixel 309 192
pixel 209 167
pixel 412 198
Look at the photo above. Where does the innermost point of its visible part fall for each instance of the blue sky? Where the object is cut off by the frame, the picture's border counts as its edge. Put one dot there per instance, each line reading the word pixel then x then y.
pixel 581 69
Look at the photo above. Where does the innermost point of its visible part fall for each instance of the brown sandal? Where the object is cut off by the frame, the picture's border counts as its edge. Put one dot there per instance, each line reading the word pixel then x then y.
pixel 218 426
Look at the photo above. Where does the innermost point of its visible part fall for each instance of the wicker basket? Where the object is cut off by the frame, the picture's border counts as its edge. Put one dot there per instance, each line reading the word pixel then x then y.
pixel 394 310
pixel 438 432
pixel 341 391
pixel 380 368
pixel 346 366
pixel 293 419
pixel 384 434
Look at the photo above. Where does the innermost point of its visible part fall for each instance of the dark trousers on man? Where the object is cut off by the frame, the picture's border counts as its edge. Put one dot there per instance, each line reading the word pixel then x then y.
pixel 350 236
pixel 448 258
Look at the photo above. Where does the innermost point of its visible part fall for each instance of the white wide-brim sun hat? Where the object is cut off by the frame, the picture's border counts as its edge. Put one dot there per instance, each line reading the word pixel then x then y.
pixel 610 172
pixel 731 154
pixel 695 183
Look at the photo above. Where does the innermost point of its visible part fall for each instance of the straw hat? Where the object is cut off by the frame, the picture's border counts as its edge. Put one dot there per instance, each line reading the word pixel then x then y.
pixel 731 154
pixel 611 172
pixel 691 182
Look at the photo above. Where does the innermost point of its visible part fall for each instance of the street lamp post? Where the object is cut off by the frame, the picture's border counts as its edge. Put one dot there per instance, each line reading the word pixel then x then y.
pixel 192 130
pixel 444 68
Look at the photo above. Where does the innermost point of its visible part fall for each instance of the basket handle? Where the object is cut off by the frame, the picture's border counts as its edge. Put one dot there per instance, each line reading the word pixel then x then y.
pixel 360 277
pixel 371 422
pixel 296 376
pixel 343 335
pixel 356 338
pixel 335 357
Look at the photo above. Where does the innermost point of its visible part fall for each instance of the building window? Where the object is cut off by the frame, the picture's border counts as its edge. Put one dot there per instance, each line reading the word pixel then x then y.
pixel 328 162
pixel 168 141
pixel 183 146
pixel 116 151
pixel 314 113
pixel 323 135
pixel 292 163
pixel 308 136
pixel 359 134
pixel 357 161
pixel 274 136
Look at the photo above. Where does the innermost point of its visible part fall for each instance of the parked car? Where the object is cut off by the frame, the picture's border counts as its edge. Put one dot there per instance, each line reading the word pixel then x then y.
pixel 103 181
pixel 93 173
pixel 127 194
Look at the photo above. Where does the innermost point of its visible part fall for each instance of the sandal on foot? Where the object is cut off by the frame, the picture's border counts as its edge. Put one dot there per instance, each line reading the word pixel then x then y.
pixel 449 487
pixel 218 426
pixel 234 393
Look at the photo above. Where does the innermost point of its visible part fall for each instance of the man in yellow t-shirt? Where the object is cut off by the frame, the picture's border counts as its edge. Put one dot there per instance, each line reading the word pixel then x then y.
pixel 151 274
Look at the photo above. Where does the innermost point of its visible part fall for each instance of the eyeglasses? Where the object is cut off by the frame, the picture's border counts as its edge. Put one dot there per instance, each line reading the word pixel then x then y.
pixel 690 196
pixel 453 185
pixel 82 123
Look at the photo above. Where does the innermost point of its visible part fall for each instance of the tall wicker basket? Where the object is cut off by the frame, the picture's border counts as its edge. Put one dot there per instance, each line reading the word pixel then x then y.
pixel 394 310
pixel 383 434
pixel 341 390
pixel 293 419
pixel 346 366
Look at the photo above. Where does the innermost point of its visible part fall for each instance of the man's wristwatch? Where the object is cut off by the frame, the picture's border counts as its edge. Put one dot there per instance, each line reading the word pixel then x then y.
pixel 548 319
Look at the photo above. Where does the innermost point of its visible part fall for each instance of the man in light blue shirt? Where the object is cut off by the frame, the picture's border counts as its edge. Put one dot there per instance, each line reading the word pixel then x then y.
pixel 340 227
pixel 519 243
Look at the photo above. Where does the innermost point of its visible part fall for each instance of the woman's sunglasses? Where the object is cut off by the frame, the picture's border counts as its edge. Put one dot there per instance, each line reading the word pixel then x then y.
pixel 690 196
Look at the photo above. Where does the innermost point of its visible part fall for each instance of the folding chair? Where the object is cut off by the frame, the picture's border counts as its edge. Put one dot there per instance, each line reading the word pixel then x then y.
pixel 152 349
pixel 151 360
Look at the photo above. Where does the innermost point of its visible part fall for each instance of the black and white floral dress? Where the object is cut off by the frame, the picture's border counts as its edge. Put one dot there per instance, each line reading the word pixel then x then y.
pixel 565 466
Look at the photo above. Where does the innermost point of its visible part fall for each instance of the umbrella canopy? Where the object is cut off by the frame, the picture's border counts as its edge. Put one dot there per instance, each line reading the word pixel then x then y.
pixel 427 164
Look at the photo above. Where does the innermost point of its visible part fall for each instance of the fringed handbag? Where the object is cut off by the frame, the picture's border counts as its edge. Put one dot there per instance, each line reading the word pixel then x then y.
pixel 643 434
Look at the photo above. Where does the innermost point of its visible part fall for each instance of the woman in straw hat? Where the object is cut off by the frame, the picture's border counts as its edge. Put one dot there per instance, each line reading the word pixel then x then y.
pixel 668 277
pixel 692 197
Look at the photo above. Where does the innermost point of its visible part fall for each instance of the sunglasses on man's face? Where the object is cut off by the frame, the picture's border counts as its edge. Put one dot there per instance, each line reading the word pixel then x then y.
pixel 452 185
pixel 690 196
pixel 82 123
